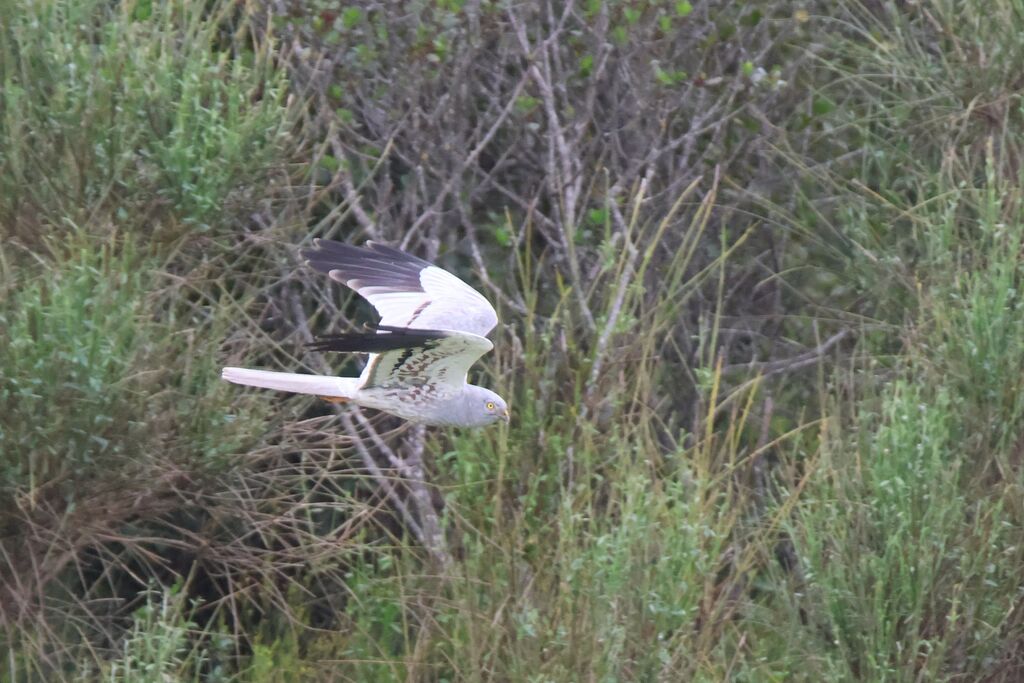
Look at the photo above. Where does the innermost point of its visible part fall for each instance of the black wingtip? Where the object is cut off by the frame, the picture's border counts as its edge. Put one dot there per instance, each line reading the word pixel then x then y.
pixel 376 263
pixel 308 253
pixel 379 339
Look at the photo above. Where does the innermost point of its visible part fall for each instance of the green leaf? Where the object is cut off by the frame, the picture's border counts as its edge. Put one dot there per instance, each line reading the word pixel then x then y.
pixel 586 65
pixel 351 16
pixel 526 103
pixel 143 10
pixel 752 19
pixel 663 76
pixel 503 236
pixel 683 8
pixel 822 105
pixel 597 217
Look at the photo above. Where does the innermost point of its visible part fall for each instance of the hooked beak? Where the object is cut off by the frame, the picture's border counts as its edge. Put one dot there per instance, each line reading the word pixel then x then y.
pixel 505 416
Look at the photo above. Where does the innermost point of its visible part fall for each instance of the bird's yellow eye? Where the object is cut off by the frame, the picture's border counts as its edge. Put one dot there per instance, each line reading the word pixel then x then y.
pixel 490 405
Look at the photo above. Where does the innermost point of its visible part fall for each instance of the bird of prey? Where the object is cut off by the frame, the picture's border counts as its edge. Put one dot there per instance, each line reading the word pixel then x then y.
pixel 432 328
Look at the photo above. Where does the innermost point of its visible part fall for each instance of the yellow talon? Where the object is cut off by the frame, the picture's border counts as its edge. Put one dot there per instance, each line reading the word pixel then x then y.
pixel 335 399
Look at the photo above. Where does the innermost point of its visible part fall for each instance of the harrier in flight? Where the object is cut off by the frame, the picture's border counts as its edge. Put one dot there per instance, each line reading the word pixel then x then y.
pixel 432 328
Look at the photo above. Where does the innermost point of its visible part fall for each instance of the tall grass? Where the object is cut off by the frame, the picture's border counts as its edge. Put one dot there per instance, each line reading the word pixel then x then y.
pixel 662 507
pixel 594 540
pixel 908 532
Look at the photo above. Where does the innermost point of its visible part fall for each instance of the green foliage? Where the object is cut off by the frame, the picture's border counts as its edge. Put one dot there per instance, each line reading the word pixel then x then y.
pixel 586 549
pixel 130 109
pixel 663 506
pixel 109 403
pixel 882 539
pixel 85 360
pixel 907 532
pixel 70 341
pixel 156 648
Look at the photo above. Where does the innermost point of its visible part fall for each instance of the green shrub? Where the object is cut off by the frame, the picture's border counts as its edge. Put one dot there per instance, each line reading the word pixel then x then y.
pixel 87 367
pixel 131 111
pixel 111 408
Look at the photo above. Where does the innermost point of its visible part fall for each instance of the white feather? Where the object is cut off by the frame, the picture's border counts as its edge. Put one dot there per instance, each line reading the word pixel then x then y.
pixel 454 305
pixel 341 387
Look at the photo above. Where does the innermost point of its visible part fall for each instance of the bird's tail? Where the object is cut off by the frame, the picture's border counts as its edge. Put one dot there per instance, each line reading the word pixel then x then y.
pixel 321 385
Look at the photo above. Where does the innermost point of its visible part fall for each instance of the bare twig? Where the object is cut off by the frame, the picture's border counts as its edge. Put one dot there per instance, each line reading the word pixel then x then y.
pixel 767 368
pixel 424 524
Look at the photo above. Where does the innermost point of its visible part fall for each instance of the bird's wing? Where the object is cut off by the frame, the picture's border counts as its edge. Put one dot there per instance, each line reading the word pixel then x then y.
pixel 406 291
pixel 408 357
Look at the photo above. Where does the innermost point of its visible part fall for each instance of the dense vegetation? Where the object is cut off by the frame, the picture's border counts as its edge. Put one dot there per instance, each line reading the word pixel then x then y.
pixel 759 272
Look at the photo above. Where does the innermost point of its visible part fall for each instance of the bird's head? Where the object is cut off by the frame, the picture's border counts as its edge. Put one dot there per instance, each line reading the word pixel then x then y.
pixel 485 406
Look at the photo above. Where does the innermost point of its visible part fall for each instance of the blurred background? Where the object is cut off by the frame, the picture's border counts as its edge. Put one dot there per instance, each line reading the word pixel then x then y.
pixel 758 272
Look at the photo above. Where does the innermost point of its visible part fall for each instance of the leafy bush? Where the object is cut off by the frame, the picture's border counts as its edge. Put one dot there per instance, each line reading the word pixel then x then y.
pixel 131 112
pixel 758 272
pixel 110 406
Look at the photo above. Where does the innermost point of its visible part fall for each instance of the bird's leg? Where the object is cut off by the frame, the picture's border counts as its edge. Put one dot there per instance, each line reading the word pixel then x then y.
pixel 335 399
